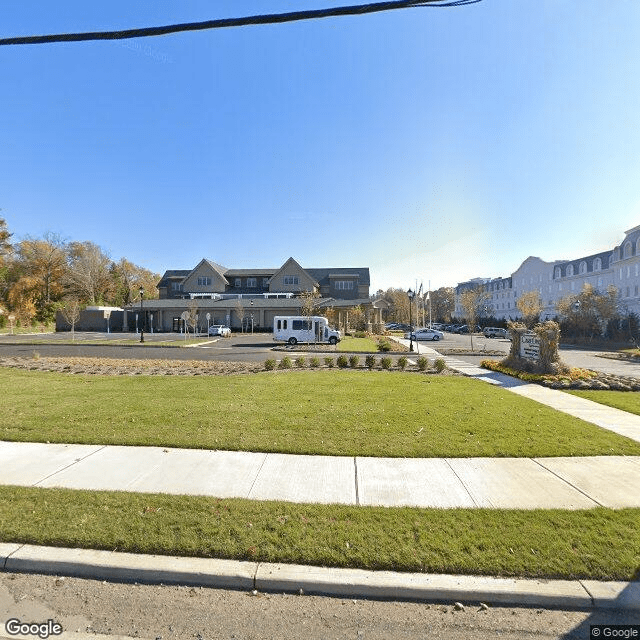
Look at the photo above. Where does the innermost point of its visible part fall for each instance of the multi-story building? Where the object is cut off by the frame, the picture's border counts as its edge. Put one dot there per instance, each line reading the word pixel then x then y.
pixel 253 296
pixel 619 267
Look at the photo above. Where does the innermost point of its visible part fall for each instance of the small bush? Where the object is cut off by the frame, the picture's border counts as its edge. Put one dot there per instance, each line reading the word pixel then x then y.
pixel 402 362
pixel 384 346
pixel 370 361
pixel 300 362
pixel 328 361
pixel 285 363
pixel 342 362
pixel 386 362
pixel 314 362
pixel 354 361
pixel 269 364
pixel 440 365
pixel 360 334
pixel 423 363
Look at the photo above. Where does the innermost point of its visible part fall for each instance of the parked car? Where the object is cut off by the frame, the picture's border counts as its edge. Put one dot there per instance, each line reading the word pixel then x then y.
pixel 495 332
pixel 219 330
pixel 425 334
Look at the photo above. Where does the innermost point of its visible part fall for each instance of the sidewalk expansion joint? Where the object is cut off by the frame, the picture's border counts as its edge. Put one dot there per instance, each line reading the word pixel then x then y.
pixel 4 566
pixel 71 464
pixel 253 484
pixel 464 486
pixel 573 486
pixel 584 586
pixel 355 476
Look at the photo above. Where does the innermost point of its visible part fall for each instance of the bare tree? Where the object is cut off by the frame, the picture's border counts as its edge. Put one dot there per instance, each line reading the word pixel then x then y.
pixel 240 312
pixel 71 313
pixel 192 315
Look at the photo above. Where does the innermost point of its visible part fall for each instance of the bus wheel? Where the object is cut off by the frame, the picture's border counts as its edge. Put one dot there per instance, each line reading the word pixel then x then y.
pixel 333 340
pixel 293 341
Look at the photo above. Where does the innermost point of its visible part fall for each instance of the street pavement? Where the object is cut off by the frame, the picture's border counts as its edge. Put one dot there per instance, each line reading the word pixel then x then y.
pixel 523 483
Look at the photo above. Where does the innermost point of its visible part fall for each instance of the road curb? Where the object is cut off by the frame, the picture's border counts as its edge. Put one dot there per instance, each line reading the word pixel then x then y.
pixel 351 583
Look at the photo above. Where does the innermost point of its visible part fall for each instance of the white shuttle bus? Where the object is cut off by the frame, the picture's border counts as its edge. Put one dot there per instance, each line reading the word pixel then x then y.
pixel 294 329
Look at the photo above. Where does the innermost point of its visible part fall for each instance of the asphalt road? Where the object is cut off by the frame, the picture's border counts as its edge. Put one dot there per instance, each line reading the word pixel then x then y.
pixel 242 348
pixel 258 347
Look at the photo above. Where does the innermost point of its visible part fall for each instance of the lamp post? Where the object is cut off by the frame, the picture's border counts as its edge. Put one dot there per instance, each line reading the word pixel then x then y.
pixel 411 295
pixel 141 315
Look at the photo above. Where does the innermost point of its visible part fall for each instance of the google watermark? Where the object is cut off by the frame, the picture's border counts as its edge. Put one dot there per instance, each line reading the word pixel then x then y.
pixel 615 631
pixel 15 627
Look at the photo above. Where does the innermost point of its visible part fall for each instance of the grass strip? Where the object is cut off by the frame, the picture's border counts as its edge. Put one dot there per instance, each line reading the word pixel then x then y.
pixel 624 400
pixel 601 544
pixel 348 413
pixel 357 345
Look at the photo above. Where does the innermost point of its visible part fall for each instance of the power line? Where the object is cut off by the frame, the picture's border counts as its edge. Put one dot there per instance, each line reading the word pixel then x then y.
pixel 277 18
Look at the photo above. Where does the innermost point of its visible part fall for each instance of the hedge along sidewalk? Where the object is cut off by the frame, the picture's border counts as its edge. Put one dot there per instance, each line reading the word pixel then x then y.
pixel 342 413
pixel 598 544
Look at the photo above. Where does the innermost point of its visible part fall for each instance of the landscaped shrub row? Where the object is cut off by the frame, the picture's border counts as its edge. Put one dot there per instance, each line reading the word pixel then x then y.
pixel 353 362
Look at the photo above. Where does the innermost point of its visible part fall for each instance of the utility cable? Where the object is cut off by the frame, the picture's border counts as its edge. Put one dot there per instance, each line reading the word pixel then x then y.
pixel 277 18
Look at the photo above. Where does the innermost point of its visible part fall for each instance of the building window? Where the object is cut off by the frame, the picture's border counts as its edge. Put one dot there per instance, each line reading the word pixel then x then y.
pixel 597 264
pixel 627 250
pixel 204 281
pixel 569 270
pixel 265 283
pixel 343 285
pixel 176 286
pixel 583 267
pixel 252 283
pixel 238 283
pixel 290 280
pixel 558 272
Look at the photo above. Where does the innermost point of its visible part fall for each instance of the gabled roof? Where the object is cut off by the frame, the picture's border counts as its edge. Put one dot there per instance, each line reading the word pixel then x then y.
pixel 172 275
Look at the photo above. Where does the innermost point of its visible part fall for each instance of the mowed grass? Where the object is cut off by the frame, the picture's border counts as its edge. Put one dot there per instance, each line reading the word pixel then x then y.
pixel 599 544
pixel 626 400
pixel 357 345
pixel 348 413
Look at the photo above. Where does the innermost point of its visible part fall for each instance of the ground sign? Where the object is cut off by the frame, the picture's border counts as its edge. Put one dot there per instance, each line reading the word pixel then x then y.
pixel 530 346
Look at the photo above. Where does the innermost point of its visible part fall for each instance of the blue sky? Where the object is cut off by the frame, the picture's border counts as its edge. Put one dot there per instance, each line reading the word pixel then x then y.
pixel 429 144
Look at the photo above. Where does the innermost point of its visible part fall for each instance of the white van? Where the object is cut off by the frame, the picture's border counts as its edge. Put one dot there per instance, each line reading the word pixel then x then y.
pixel 294 329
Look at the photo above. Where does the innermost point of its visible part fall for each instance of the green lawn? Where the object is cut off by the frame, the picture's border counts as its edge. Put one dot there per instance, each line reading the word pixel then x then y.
pixel 626 400
pixel 308 412
pixel 599 544
pixel 358 345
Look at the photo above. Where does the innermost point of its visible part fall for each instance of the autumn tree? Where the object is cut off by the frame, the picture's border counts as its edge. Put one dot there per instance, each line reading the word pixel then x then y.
pixel 530 306
pixel 474 301
pixel 88 275
pixel 127 280
pixel 442 304
pixel 589 313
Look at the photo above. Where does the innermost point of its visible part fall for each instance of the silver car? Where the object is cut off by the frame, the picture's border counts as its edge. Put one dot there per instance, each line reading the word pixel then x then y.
pixel 425 334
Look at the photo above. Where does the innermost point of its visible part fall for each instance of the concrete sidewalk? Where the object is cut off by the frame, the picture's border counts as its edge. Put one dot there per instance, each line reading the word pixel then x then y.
pixel 505 483
pixel 620 422
pixel 511 483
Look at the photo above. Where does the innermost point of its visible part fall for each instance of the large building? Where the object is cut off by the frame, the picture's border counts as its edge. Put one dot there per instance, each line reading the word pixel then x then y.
pixel 252 297
pixel 619 267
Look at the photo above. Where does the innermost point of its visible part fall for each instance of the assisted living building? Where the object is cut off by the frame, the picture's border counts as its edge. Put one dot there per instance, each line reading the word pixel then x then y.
pixel 619 267
pixel 245 298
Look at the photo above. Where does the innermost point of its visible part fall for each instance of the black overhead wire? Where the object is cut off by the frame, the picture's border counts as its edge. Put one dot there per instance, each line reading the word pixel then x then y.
pixel 276 18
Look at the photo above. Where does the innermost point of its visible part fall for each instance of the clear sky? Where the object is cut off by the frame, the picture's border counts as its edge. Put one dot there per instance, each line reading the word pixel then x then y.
pixel 429 144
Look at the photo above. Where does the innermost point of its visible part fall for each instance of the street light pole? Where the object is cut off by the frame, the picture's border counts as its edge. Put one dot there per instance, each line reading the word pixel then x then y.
pixel 411 295
pixel 141 315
